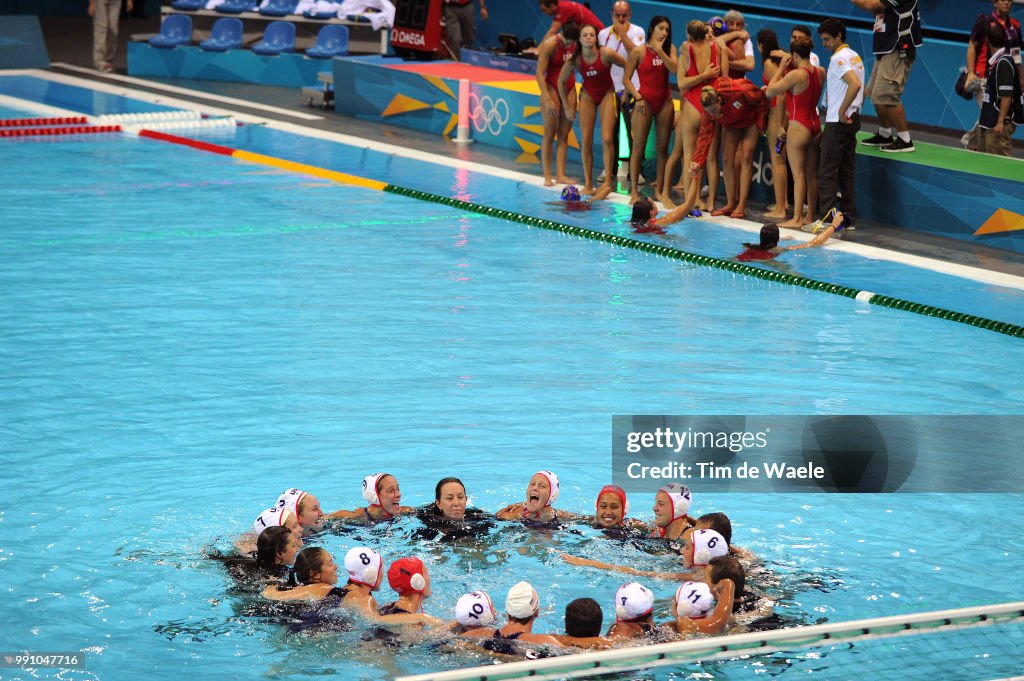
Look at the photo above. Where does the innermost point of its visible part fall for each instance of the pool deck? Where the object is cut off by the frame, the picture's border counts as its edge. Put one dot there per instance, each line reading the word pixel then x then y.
pixel 69 41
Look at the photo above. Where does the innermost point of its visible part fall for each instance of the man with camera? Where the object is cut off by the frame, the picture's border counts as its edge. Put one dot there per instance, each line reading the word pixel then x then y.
pixel 897 36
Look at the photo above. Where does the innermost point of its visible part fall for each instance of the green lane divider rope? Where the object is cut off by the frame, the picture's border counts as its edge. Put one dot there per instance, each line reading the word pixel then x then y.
pixel 718 263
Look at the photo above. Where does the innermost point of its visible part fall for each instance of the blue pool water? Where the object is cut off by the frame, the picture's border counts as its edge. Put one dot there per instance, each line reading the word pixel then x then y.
pixel 184 336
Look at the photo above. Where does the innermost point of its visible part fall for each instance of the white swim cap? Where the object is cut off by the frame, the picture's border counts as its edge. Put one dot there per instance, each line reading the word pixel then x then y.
pixel 290 499
pixel 522 601
pixel 474 609
pixel 694 600
pixel 680 496
pixel 364 566
pixel 272 517
pixel 633 601
pixel 707 544
pixel 370 483
pixel 553 484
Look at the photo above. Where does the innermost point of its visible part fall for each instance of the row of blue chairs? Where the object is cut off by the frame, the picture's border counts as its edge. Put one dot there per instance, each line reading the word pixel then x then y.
pixel 331 41
pixel 274 8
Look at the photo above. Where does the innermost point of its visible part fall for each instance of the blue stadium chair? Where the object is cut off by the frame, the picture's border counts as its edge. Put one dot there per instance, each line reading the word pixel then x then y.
pixel 235 6
pixel 279 37
pixel 175 30
pixel 225 35
pixel 331 41
pixel 279 8
pixel 188 5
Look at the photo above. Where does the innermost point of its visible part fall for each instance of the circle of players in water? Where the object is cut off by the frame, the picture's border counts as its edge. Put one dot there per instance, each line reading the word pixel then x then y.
pixel 711 591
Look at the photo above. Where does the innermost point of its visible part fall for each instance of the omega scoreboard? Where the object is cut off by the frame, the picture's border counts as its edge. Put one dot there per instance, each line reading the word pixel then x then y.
pixel 417 27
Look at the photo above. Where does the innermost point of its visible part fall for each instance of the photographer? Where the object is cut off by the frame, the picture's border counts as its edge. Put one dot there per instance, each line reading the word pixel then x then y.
pixel 897 37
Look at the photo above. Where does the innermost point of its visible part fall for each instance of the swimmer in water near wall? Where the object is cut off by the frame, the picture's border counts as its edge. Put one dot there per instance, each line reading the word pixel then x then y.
pixel 768 246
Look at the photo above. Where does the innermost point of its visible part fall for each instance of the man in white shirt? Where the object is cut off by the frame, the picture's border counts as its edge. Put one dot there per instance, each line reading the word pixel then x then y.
pixel 622 36
pixel 844 93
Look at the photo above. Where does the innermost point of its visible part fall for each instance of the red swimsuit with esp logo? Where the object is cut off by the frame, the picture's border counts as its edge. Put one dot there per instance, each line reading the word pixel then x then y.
pixel 597 78
pixel 559 56
pixel 693 94
pixel 653 76
pixel 803 108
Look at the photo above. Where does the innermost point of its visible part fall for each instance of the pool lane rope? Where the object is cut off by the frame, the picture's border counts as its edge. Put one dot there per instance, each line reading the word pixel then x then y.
pixel 621 241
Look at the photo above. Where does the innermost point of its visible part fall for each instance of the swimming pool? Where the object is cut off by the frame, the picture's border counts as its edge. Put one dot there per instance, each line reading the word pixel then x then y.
pixel 186 335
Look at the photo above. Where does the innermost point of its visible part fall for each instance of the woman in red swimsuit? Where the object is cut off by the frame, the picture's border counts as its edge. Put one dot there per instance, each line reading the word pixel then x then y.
pixel 653 62
pixel 551 56
pixel 700 62
pixel 802 86
pixel 598 96
pixel 768 42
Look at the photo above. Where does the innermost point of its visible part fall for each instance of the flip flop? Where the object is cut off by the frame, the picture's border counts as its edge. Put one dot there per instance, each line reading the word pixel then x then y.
pixel 739 214
pixel 720 212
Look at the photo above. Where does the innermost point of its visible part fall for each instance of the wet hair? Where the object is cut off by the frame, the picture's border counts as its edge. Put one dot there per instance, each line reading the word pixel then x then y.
pixel 768 41
pixel 306 563
pixel 272 541
pixel 728 567
pixel 655 20
pixel 571 31
pixel 575 58
pixel 719 522
pixel 548 3
pixel 996 35
pixel 583 618
pixel 709 96
pixel 697 30
pixel 834 27
pixel 769 240
pixel 522 620
pixel 803 29
pixel 437 493
pixel 441 483
pixel 801 46
pixel 642 210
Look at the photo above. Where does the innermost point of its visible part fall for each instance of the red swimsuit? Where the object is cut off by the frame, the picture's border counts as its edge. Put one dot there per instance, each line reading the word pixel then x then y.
pixel 597 78
pixel 693 94
pixel 559 55
pixel 653 80
pixel 803 108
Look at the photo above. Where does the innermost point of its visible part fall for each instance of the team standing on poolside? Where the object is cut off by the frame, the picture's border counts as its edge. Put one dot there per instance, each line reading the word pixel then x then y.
pixel 625 69
pixel 711 587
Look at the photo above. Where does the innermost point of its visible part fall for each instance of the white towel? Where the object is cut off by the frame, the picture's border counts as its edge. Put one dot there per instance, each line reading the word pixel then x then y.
pixel 384 16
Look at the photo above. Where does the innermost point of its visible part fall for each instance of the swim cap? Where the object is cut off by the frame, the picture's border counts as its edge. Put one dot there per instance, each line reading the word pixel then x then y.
pixel 570 193
pixel 707 544
pixel 370 489
pixel 522 601
pixel 474 609
pixel 405 576
pixel 290 499
pixel 680 496
pixel 553 484
pixel 272 517
pixel 617 491
pixel 633 601
pixel 718 26
pixel 694 600
pixel 364 566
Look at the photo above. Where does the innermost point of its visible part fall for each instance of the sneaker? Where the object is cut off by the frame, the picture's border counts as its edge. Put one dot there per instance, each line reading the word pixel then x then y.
pixel 877 141
pixel 898 146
